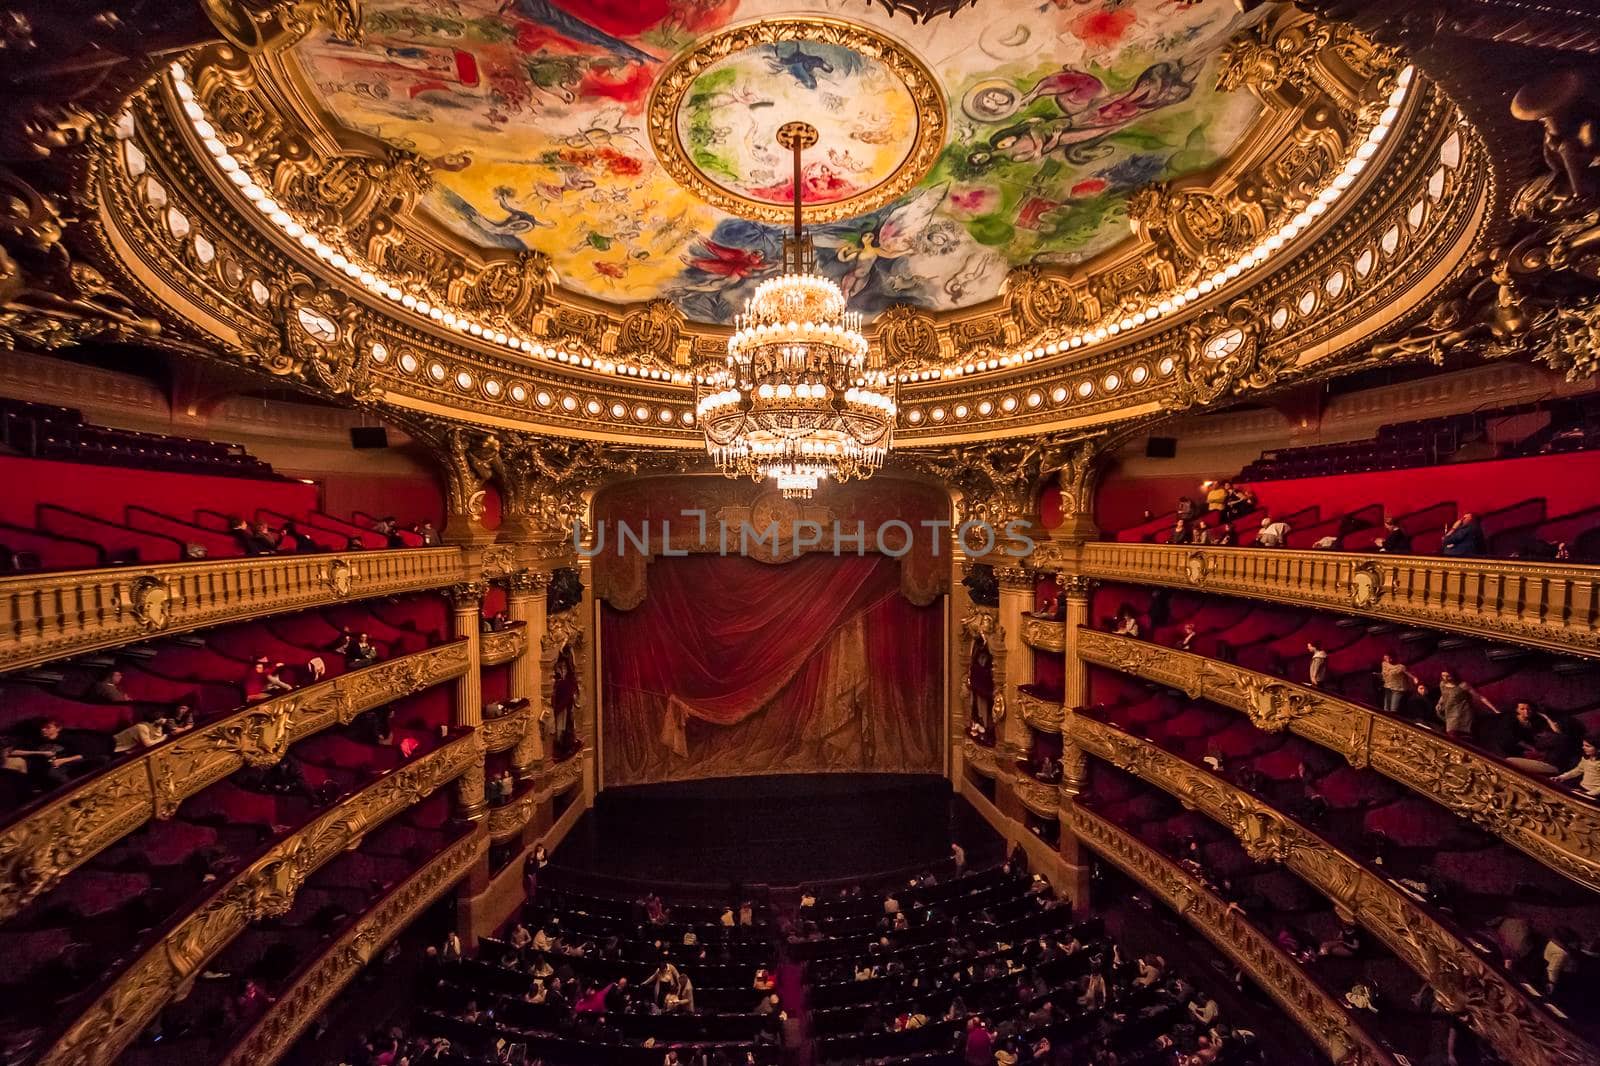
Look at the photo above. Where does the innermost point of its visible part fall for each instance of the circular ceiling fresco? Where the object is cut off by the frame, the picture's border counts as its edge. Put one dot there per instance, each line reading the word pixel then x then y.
pixel 951 151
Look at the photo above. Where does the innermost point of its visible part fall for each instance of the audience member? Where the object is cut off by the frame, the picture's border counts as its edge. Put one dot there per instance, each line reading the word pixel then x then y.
pixel 1395 540
pixel 1396 679
pixel 1274 533
pixel 1587 772
pixel 1464 538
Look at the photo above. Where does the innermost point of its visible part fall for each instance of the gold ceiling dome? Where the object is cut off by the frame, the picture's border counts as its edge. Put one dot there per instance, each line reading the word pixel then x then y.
pixel 337 213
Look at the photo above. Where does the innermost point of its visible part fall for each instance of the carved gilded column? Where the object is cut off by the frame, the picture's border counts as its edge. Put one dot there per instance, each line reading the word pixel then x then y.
pixel 467 599
pixel 1016 601
pixel 586 662
pixel 958 654
pixel 525 603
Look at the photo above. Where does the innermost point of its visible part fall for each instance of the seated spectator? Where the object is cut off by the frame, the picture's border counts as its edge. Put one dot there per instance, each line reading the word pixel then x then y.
pixel 1222 536
pixel 1240 503
pixel 1464 538
pixel 1203 1009
pixel 146 733
pixel 1587 772
pixel 266 539
pixel 255 682
pixel 362 653
pixel 295 540
pixel 277 681
pixel 50 757
pixel 1180 532
pixel 429 535
pixel 1541 744
pixel 1125 624
pixel 390 530
pixel 355 544
pixel 109 688
pixel 1395 541
pixel 1274 533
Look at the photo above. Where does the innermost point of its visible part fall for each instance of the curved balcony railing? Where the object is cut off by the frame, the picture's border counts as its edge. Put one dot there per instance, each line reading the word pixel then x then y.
pixel 50 840
pixel 1044 634
pixel 1556 827
pixel 502 645
pixel 1546 605
pixel 130 998
pixel 504 731
pixel 1041 711
pixel 325 976
pixel 55 615
pixel 1324 1018
pixel 1518 1027
pixel 508 819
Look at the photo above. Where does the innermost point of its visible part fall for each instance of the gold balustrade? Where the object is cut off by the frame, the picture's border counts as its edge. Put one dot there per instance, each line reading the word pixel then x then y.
pixel 1553 826
pixel 55 615
pixel 266 888
pixel 503 645
pixel 1334 1028
pixel 1044 634
pixel 1040 798
pixel 46 844
pixel 1520 1030
pixel 980 757
pixel 317 985
pixel 1544 605
pixel 503 731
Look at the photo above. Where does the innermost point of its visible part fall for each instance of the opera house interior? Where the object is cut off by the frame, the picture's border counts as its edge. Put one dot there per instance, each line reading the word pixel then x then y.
pixel 799 532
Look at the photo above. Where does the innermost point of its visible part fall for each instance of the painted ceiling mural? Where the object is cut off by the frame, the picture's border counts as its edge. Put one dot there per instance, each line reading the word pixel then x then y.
pixel 534 115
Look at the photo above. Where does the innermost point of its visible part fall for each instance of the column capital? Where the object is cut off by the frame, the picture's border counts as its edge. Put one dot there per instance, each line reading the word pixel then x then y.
pixel 526 581
pixel 466 595
pixel 1075 585
pixel 1015 578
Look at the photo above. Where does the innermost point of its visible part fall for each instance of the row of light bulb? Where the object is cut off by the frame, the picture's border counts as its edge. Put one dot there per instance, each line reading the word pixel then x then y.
pixel 839 336
pixel 1246 262
pixel 358 271
pixel 800 288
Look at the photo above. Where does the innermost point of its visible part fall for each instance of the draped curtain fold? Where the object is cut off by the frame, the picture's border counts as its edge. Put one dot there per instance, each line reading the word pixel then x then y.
pixel 733 666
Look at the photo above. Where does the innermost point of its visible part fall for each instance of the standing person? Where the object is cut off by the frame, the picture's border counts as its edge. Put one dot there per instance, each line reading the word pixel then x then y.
pixel 958 855
pixel 1396 680
pixel 1317 672
pixel 1217 495
pixel 980 1045
pixel 1455 705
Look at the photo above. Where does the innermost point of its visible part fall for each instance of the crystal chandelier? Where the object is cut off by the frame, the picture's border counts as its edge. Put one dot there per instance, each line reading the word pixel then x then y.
pixel 802 397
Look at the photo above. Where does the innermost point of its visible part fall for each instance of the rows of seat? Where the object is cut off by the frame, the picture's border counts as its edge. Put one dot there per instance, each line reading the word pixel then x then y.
pixel 1469 877
pixel 1276 639
pixel 578 988
pixel 71 942
pixel 1299 920
pixel 98 699
pixel 50 432
pixel 241 983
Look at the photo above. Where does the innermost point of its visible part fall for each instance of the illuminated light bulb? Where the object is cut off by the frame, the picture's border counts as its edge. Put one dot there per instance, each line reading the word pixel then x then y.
pixel 1366 151
pixel 1205 286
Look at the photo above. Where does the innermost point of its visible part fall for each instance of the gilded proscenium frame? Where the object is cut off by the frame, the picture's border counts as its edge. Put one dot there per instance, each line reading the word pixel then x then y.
pixel 926 96
pixel 266 888
pixel 270 1038
pixel 39 850
pixel 1336 1031
pixel 148 259
pixel 1554 826
pixel 1542 605
pixel 55 615
pixel 1509 1019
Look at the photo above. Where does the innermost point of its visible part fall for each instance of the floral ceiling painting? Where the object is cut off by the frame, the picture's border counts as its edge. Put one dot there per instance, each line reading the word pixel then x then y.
pixel 536 117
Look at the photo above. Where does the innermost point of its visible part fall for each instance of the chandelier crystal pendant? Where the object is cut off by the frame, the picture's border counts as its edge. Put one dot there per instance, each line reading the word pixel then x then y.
pixel 803 397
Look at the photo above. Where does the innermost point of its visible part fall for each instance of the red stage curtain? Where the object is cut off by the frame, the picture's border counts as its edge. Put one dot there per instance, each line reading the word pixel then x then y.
pixel 733 666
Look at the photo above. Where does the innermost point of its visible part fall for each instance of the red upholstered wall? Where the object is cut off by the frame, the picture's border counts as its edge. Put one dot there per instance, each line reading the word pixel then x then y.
pixel 408 499
pixel 104 491
pixel 1565 481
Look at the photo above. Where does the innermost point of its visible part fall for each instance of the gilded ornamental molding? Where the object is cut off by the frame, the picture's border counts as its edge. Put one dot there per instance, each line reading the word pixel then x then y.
pixel 1040 713
pixel 502 645
pixel 504 731
pixel 60 614
pixel 46 845
pixel 1045 634
pixel 1550 824
pixel 507 820
pixel 1040 798
pixel 1518 1028
pixel 264 889
pixel 980 757
pixel 289 1015
pixel 373 315
pixel 1336 1031
pixel 1544 605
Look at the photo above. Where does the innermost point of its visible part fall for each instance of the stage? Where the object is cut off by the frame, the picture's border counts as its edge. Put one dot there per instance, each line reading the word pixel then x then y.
pixel 777 830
